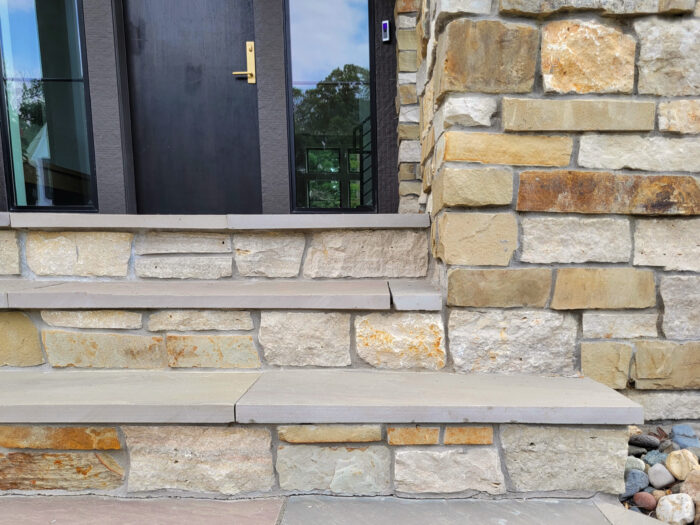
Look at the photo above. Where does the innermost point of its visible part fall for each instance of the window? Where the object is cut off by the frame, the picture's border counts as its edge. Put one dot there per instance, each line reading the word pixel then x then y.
pixel 45 118
pixel 331 104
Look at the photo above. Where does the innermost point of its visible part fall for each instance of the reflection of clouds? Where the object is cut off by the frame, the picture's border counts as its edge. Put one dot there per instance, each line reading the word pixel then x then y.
pixel 19 5
pixel 327 34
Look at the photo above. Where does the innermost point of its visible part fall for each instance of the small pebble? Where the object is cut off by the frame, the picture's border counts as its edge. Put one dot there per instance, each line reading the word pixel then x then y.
pixel 658 494
pixel 635 481
pixel 634 430
pixel 644 441
pixel 660 477
pixel 636 451
pixel 676 509
pixel 654 456
pixel 644 500
pixel 633 463
pixel 684 436
pixel 667 446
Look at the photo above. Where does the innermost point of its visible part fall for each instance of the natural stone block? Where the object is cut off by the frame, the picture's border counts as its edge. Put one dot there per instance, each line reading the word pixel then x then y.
pixel 59 471
pixel 681 297
pixel 530 114
pixel 663 365
pixel 477 239
pixel 680 116
pixel 407 171
pixel 184 267
pixel 619 325
pixel 410 188
pixel 449 471
pixel 305 338
pixel 406 21
pixel 468 436
pixel 604 192
pixel 413 435
pixel 268 254
pixel 408 61
pixel 407 6
pixel 608 7
pixel 603 288
pixel 401 340
pixel 472 187
pixel 92 319
pixel 540 458
pixel 497 148
pixel 640 153
pixel 192 320
pixel 224 460
pixel 409 114
pixel 407 131
pixel 367 253
pixel 19 341
pixel 181 242
pixel 513 342
pixel 212 351
pixel 667 405
pixel 9 253
pixel 504 63
pixel 406 40
pixel 85 254
pixel 607 363
pixel 409 204
pixel 586 57
pixel 102 350
pixel 575 240
pixel 450 8
pixel 464 110
pixel 499 288
pixel 671 243
pixel 668 51
pixel 409 151
pixel 59 438
pixel 329 433
pixel 407 93
pixel 340 470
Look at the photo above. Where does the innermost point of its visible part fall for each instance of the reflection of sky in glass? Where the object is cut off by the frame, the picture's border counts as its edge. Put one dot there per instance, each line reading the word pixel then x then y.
pixel 20 40
pixel 327 34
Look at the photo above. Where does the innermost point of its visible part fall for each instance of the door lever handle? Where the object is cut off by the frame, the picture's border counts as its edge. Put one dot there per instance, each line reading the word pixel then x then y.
pixel 250 63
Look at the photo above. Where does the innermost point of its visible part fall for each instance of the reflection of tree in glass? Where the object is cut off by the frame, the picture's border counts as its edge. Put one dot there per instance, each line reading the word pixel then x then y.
pixel 31 111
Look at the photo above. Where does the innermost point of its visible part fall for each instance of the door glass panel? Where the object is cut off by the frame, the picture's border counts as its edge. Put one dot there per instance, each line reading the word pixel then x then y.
pixel 331 100
pixel 45 101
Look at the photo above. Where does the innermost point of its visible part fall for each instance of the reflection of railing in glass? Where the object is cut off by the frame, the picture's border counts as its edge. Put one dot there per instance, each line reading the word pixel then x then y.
pixel 362 143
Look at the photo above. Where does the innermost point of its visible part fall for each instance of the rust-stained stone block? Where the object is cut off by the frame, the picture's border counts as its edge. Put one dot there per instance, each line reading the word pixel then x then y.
pixel 59 438
pixel 664 365
pixel 567 191
pixel 329 433
pixel 468 436
pixel 407 6
pixel 499 288
pixel 212 351
pixel 603 288
pixel 413 435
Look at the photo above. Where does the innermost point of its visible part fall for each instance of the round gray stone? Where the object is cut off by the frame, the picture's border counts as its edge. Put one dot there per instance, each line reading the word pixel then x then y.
pixel 660 477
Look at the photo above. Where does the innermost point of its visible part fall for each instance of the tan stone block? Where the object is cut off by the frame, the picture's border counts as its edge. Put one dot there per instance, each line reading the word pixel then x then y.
pixel 59 438
pixel 409 204
pixel 410 188
pixel 497 148
pixel 19 341
pixel 9 253
pixel 102 350
pixel 406 40
pixel 680 116
pixel 408 132
pixel 184 267
pixel 607 363
pixel 407 6
pixel 85 254
pixel 468 436
pixel 665 365
pixel 529 114
pixel 413 435
pixel 603 288
pixel 472 187
pixel 329 433
pixel 268 254
pixel 477 239
pixel 408 61
pixel 407 171
pixel 211 351
pixel 92 319
pixel 587 57
pixel 193 320
pixel 182 242
pixel 499 288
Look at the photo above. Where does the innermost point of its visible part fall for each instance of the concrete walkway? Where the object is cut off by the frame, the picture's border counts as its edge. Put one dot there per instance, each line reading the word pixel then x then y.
pixel 310 510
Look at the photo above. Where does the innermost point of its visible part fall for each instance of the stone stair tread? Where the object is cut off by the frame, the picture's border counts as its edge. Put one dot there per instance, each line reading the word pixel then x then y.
pixel 409 294
pixel 4 218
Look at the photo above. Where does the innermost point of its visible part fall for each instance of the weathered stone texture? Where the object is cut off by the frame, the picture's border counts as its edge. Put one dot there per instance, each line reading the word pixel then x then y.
pixel 640 153
pixel 305 338
pixel 413 435
pixel 191 320
pixel 409 150
pixel 542 458
pixel 667 405
pixel 59 438
pixel 184 267
pixel 19 341
pixel 607 362
pixel 446 8
pixel 472 187
pixel 410 187
pixel 680 116
pixel 464 110
pixel 86 254
pixel 671 243
pixel 603 288
pixel 513 341
pixel 225 460
pixel 407 6
pixel 268 254
pixel 681 296
pixel 9 253
pixel 407 94
pixel 468 436
pixel 341 470
pixel 477 238
pixel 604 192
pixel 586 57
pixel 668 54
pixel 408 61
pixel 102 350
pixel 407 132
pixel 406 40
pixel 529 114
pixel 448 471
pixel 608 7
pixel 92 319
pixel 486 56
pixel 182 242
pixel 367 253
pixel 401 340
pixel 329 433
pixel 499 288
pixel 619 325
pixel 663 365
pixel 212 351
pixel 59 471
pixel 575 240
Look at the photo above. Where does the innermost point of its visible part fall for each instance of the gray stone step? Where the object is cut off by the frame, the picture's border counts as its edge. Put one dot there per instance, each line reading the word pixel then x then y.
pixel 415 295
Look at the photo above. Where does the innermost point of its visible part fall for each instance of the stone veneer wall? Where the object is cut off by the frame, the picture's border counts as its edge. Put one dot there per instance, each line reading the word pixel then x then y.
pixel 560 161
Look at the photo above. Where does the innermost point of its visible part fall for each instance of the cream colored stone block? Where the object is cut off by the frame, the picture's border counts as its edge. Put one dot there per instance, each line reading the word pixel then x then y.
pixel 681 296
pixel 619 325
pixel 211 351
pixel 477 239
pixel 193 320
pixel 474 187
pixel 673 244
pixel 92 319
pixel 184 267
pixel 19 341
pixel 607 363
pixel 464 110
pixel 9 253
pixel 640 153
pixel 268 254
pixel 679 405
pixel 181 242
pixel 329 433
pixel 680 116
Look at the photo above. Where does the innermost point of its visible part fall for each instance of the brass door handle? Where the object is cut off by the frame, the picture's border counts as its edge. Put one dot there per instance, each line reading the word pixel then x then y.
pixel 250 60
